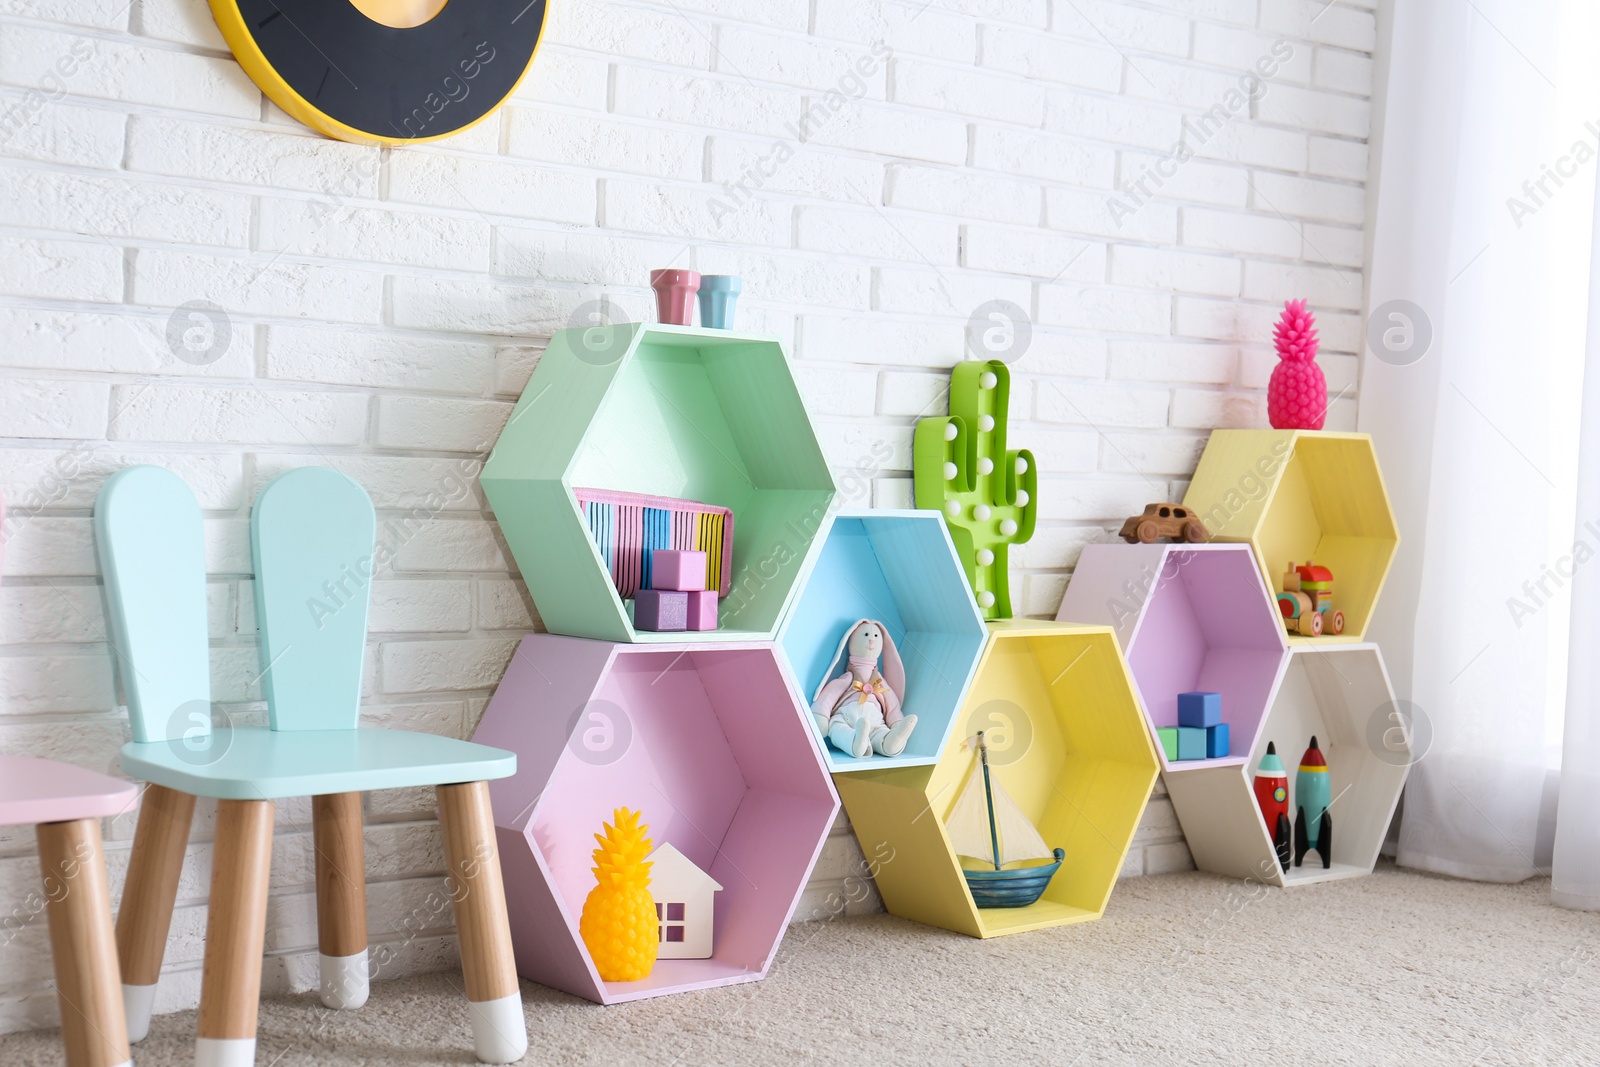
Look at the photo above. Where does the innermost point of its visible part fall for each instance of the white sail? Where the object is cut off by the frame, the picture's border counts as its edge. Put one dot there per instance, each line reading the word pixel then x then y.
pixel 968 825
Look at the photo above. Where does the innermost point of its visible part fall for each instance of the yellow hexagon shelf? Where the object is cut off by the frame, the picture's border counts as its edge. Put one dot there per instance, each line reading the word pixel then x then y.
pixel 1302 495
pixel 1067 743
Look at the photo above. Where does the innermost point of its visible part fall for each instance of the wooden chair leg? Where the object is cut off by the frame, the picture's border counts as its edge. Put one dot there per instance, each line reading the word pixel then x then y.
pixel 230 985
pixel 341 898
pixel 499 1030
pixel 88 979
pixel 147 897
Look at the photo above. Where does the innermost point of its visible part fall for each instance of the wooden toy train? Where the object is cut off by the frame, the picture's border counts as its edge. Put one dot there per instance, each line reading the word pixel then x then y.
pixel 1306 602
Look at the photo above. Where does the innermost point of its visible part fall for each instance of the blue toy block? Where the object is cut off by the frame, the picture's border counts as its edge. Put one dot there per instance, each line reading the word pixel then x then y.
pixel 1191 743
pixel 1217 741
pixel 1200 710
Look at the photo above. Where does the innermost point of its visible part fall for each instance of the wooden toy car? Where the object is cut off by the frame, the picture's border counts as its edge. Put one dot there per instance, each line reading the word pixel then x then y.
pixel 1164 520
pixel 1306 602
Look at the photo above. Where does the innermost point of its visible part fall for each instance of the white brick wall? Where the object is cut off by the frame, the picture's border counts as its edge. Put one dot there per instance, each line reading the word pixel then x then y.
pixel 387 306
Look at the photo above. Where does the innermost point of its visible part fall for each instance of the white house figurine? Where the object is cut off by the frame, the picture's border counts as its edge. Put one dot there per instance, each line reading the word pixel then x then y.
pixel 685 899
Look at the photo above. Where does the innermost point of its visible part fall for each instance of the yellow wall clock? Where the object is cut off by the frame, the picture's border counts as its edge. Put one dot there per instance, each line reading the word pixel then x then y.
pixel 384 71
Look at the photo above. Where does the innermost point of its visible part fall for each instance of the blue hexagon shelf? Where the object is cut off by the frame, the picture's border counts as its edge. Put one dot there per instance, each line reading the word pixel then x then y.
pixel 708 415
pixel 900 568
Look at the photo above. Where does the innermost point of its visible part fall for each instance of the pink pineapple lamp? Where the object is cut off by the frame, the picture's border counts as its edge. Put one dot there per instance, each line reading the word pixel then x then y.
pixel 1297 394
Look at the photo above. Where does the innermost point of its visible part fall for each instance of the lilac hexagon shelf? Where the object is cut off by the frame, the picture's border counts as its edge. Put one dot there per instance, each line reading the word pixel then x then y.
pixel 900 568
pixel 708 742
pixel 1188 617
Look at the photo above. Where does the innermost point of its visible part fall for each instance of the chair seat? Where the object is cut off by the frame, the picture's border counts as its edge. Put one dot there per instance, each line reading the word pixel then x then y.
pixel 255 763
pixel 40 790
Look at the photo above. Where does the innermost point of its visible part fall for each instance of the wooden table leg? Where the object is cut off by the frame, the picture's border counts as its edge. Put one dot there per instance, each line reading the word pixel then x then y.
pixel 499 1030
pixel 341 899
pixel 230 985
pixel 88 980
pixel 147 897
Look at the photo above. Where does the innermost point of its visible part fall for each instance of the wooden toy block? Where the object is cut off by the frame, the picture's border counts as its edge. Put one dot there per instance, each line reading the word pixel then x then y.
pixel 678 569
pixel 1217 741
pixel 702 611
pixel 1168 737
pixel 1191 743
pixel 1199 709
pixel 661 610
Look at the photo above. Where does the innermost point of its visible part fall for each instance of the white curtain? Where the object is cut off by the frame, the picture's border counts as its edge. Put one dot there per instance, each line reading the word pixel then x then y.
pixel 1482 228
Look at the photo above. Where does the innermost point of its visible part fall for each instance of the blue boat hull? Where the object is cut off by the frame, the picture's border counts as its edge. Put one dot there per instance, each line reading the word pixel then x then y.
pixel 1016 888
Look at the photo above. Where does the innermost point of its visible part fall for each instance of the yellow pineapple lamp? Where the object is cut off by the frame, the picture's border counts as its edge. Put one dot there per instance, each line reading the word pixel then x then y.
pixel 619 922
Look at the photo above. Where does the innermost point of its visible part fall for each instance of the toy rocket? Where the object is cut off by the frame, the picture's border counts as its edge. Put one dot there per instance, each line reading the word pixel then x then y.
pixel 1272 794
pixel 1313 792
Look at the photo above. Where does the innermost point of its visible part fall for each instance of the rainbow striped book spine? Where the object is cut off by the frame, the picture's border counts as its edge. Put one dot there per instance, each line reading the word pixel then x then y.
pixel 627 527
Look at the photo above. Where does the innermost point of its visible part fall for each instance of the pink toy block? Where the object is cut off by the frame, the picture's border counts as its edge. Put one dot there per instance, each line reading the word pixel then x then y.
pixel 703 609
pixel 710 742
pixel 660 610
pixel 673 568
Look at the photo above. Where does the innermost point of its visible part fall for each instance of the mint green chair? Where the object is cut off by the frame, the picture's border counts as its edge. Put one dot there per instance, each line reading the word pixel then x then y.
pixel 312 536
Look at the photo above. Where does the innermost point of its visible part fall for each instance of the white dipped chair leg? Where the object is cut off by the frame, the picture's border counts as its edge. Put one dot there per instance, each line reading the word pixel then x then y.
pixel 341 899
pixel 499 1029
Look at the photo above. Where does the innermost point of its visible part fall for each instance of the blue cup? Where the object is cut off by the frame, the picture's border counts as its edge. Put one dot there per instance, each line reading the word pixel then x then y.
pixel 718 294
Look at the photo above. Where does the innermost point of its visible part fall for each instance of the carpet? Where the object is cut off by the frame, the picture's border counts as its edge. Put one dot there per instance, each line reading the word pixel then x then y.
pixel 1185 968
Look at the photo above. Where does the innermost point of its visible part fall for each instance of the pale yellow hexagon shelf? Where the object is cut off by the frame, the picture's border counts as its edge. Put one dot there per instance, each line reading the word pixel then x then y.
pixel 1299 495
pixel 1067 743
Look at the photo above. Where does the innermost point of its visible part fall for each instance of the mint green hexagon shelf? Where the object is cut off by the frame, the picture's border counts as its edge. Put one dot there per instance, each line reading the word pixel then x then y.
pixel 706 415
pixel 900 568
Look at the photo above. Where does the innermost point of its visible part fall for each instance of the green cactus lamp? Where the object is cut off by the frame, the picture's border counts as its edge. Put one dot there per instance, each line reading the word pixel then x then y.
pixel 986 494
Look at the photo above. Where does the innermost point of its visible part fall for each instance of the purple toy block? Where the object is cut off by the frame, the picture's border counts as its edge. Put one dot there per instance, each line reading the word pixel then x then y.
pixel 702 609
pixel 680 569
pixel 1217 741
pixel 709 742
pixel 660 610
pixel 1201 710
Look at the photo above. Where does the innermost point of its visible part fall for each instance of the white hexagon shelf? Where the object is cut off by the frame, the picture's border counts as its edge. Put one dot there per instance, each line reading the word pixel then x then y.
pixel 1340 694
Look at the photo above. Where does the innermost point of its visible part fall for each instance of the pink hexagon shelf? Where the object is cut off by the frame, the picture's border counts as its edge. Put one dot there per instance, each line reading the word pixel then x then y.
pixel 1188 617
pixel 708 742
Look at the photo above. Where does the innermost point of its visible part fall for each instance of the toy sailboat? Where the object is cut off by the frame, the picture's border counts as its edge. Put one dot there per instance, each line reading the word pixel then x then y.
pixel 986 825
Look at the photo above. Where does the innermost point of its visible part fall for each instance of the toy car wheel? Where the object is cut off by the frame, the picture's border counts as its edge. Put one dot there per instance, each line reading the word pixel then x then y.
pixel 1194 531
pixel 1311 624
pixel 1149 532
pixel 1336 622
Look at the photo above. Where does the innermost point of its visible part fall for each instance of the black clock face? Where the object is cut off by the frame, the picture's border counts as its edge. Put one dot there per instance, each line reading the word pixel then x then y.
pixel 335 69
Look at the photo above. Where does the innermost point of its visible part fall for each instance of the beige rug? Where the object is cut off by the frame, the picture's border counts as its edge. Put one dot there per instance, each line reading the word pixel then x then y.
pixel 1397 968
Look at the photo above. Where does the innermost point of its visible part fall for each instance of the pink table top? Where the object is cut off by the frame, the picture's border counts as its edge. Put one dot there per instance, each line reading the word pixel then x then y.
pixel 40 790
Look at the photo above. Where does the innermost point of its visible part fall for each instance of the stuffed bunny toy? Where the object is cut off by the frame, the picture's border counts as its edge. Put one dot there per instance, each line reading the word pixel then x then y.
pixel 858 710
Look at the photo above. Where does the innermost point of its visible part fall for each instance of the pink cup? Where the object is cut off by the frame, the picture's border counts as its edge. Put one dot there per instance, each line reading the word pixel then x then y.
pixel 675 292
